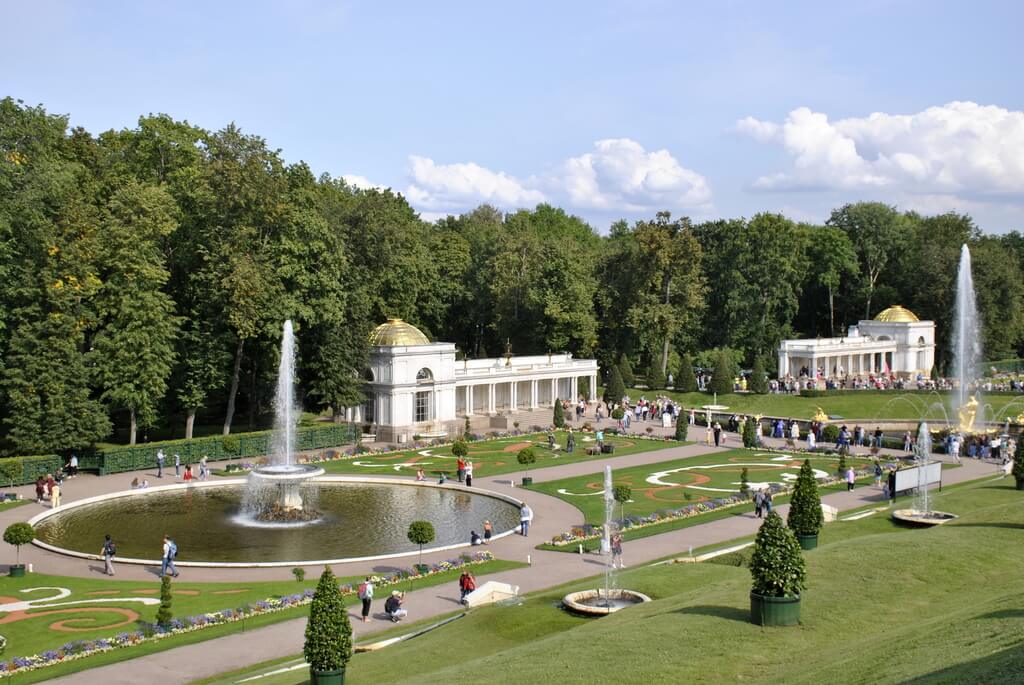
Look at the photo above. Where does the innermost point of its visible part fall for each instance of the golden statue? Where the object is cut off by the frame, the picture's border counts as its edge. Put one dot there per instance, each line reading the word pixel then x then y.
pixel 967 412
pixel 1020 419
pixel 821 416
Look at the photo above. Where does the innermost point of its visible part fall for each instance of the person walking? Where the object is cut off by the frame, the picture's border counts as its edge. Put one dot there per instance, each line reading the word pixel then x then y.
pixel 767 502
pixel 170 551
pixel 469 474
pixel 878 473
pixel 107 552
pixel 570 442
pixel 850 478
pixel 177 465
pixel 467 583
pixel 40 489
pixel 718 433
pixel 366 597
pixel 758 503
pixel 160 463
pixel 616 543
pixel 55 495
pixel 460 468
pixel 525 516
pixel 204 470
pixel 73 465
pixel 488 531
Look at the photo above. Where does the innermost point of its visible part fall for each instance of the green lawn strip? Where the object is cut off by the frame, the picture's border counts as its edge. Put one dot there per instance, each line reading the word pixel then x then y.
pixel 865 406
pixel 14 504
pixel 490 457
pixel 32 636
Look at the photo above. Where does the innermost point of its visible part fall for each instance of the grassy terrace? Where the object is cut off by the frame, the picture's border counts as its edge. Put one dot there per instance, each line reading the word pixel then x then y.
pixel 489 457
pixel 884 605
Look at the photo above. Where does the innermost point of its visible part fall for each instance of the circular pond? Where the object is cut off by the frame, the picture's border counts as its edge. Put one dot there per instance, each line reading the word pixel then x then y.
pixel 358 520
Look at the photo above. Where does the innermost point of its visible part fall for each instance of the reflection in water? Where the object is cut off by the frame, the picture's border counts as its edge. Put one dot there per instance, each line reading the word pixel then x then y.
pixel 359 520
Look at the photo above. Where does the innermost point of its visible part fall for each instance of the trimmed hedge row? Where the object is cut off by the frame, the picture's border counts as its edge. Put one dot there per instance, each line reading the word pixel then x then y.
pixel 216 447
pixel 905 391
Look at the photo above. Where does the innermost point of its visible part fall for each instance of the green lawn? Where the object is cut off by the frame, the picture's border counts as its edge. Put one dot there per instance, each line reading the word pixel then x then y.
pixel 865 406
pixel 884 605
pixel 489 457
pixel 48 628
pixel 681 482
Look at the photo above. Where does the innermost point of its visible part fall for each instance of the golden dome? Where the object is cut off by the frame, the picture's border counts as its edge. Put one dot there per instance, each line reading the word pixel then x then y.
pixel 397 332
pixel 897 314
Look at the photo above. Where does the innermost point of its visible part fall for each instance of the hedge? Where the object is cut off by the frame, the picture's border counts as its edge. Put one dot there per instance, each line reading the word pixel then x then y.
pixel 905 391
pixel 216 447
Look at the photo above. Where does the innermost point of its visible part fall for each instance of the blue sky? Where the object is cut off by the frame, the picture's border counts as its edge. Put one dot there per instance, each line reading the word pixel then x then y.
pixel 609 110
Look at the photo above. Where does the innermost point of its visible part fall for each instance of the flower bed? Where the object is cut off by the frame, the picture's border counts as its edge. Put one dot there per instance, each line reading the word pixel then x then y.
pixel 78 649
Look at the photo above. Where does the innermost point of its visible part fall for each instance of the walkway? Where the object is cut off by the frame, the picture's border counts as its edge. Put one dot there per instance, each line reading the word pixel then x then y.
pixel 188 663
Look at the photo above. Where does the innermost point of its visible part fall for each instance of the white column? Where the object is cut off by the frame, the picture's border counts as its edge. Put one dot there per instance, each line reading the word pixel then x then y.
pixel 593 388
pixel 533 394
pixel 469 400
pixel 513 395
pixel 574 389
pixel 554 390
pixel 490 398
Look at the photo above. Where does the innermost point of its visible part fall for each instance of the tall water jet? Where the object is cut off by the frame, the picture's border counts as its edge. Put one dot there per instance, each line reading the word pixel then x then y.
pixel 609 531
pixel 966 344
pixel 274 492
pixel 922 513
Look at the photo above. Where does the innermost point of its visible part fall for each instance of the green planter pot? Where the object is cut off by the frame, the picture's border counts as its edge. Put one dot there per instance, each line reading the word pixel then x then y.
pixel 527 480
pixel 326 677
pixel 808 541
pixel 18 571
pixel 774 611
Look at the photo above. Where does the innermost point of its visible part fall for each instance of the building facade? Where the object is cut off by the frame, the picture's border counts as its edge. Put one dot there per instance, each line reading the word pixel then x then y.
pixel 416 387
pixel 894 342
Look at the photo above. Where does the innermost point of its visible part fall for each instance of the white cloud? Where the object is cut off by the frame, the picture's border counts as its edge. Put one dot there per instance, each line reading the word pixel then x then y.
pixel 953 149
pixel 619 175
pixel 361 182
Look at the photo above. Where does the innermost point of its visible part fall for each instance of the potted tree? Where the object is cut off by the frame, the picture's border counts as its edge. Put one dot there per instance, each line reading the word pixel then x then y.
pixel 1018 464
pixel 460 449
pixel 622 494
pixel 681 428
pixel 526 457
pixel 421 533
pixel 328 645
pixel 19 534
pixel 779 574
pixel 558 418
pixel 805 517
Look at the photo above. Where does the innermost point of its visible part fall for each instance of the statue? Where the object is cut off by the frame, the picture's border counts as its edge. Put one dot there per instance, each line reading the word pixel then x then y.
pixel 967 412
pixel 1020 419
pixel 821 416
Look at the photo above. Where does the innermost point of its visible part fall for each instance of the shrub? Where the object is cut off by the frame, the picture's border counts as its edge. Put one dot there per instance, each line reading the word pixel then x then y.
pixel 626 371
pixel 805 516
pixel 686 380
pixel 163 614
pixel 526 457
pixel 830 433
pixel 618 413
pixel 681 427
pixel 749 433
pixel 299 573
pixel 19 534
pixel 421 533
pixel 583 387
pixel 459 448
pixel 655 376
pixel 758 381
pixel 559 415
pixel 622 493
pixel 723 374
pixel 745 480
pixel 842 464
pixel 328 645
pixel 467 434
pixel 11 470
pixel 1018 460
pixel 615 390
pixel 777 566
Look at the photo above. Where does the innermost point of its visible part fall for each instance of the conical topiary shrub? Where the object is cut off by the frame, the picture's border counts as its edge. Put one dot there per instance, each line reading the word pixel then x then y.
pixel 749 433
pixel 626 370
pixel 686 380
pixel 805 517
pixel 558 418
pixel 328 646
pixel 616 389
pixel 779 574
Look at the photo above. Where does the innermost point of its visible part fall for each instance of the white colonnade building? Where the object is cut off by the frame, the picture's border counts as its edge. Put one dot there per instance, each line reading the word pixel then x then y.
pixel 416 387
pixel 895 341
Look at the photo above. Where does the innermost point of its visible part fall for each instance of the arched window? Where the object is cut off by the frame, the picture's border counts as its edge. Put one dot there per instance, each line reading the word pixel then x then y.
pixel 368 375
pixel 884 337
pixel 424 376
pixel 921 342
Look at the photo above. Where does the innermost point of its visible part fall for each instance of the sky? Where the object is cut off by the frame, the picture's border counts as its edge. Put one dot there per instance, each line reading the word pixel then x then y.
pixel 609 110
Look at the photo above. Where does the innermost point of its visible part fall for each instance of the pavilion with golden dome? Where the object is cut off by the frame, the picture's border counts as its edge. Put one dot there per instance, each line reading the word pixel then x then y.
pixel 894 342
pixel 417 387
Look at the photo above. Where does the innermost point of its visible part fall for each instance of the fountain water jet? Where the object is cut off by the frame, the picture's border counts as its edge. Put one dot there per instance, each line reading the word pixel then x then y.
pixel 922 514
pixel 966 345
pixel 274 492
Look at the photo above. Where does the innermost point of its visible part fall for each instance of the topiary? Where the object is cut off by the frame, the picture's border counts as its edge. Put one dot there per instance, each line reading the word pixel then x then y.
pixel 559 415
pixel 163 614
pixel 722 376
pixel 655 377
pixel 421 533
pixel 758 381
pixel 749 433
pixel 681 427
pixel 622 494
pixel 19 534
pixel 618 413
pixel 686 380
pixel 467 434
pixel 328 645
pixel 626 370
pixel 11 470
pixel 459 448
pixel 526 457
pixel 777 566
pixel 616 389
pixel 745 480
pixel 842 465
pixel 805 516
pixel 1018 462
pixel 830 433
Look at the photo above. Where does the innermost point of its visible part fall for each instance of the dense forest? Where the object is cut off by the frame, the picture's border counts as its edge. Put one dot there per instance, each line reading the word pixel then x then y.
pixel 145 273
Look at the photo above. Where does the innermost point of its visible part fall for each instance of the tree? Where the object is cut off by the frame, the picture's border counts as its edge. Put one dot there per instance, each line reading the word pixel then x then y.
pixel 622 494
pixel 777 565
pixel 686 380
pixel 19 534
pixel 421 533
pixel 1018 465
pixel 744 481
pixel 655 377
pixel 626 370
pixel 681 428
pixel 758 379
pixel 163 613
pixel 749 433
pixel 805 515
pixel 723 374
pixel 874 228
pixel 526 457
pixel 459 448
pixel 615 390
pixel 328 644
pixel 559 414
pixel 832 259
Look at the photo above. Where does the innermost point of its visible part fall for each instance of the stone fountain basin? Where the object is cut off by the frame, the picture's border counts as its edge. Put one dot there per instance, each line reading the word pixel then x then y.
pixel 597 603
pixel 915 517
pixel 286 472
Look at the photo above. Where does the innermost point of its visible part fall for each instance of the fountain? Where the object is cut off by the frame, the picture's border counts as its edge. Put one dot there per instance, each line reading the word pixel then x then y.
pixel 274 492
pixel 611 599
pixel 966 345
pixel 922 514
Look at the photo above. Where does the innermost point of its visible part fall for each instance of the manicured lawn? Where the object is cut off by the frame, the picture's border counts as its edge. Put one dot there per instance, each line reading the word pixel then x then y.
pixel 865 406
pixel 673 484
pixel 489 457
pixel 884 604
pixel 38 629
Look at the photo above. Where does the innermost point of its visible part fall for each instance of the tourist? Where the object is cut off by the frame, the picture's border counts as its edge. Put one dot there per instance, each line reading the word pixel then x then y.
pixel 55 496
pixel 758 503
pixel 891 484
pixel 551 440
pixel 460 469
pixel 188 473
pixel 474 539
pixel 467 583
pixel 170 551
pixel 73 465
pixel 144 484
pixel 878 473
pixel 599 437
pixel 717 430
pixel 525 516
pixel 421 475
pixel 393 606
pixel 49 485
pixel 107 552
pixel 693 417
pixel 443 478
pixel 850 478
pixel 177 465
pixel 570 442
pixel 160 463
pixel 135 483
pixel 488 531
pixel 907 442
pixel 767 503
pixel 811 440
pixel 204 469
pixel 616 544
pixel 366 597
pixel 878 437
pixel 794 431
pixel 40 489
pixel 469 474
